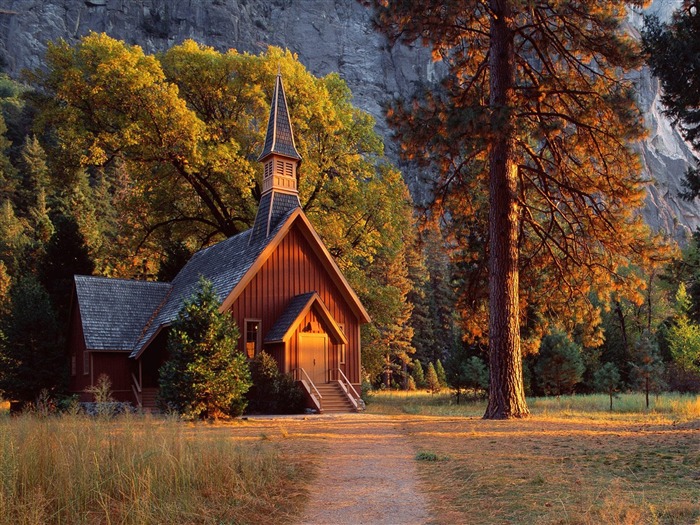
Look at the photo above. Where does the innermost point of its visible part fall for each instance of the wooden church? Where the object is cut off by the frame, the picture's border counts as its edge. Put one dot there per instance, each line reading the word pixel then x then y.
pixel 277 280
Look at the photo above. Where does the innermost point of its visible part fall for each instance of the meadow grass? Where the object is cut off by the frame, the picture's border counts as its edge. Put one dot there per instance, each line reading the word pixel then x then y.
pixel 672 406
pixel 140 470
pixel 572 462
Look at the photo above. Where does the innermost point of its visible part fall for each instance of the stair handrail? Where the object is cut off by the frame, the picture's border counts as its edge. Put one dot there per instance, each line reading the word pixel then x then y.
pixel 139 402
pixel 136 382
pixel 347 387
pixel 316 398
pixel 136 389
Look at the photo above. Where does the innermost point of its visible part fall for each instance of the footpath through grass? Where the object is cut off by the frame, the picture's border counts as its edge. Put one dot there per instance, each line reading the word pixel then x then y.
pixel 143 470
pixel 573 462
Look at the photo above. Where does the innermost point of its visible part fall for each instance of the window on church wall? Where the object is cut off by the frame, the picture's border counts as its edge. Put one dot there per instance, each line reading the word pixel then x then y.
pixel 73 365
pixel 279 168
pixel 268 169
pixel 86 362
pixel 288 169
pixel 252 337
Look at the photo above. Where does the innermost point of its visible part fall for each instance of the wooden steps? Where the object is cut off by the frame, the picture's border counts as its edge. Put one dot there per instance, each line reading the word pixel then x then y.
pixel 148 399
pixel 334 399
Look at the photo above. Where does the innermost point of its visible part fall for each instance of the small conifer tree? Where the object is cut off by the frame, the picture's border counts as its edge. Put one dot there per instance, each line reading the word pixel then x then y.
pixel 205 376
pixel 607 379
pixel 647 368
pixel 411 384
pixel 431 379
pixel 417 374
pixel 440 371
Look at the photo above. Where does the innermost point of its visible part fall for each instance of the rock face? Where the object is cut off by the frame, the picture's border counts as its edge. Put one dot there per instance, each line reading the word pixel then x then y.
pixel 328 35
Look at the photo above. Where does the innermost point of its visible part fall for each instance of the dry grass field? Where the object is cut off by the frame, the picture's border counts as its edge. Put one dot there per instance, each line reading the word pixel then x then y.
pixel 143 470
pixel 573 462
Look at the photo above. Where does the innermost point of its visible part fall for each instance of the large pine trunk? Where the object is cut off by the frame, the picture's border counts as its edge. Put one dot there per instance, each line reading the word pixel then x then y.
pixel 506 392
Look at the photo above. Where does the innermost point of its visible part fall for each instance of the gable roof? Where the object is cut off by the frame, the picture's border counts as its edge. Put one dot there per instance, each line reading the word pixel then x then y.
pixel 231 264
pixel 297 216
pixel 114 311
pixel 279 138
pixel 296 310
pixel 224 264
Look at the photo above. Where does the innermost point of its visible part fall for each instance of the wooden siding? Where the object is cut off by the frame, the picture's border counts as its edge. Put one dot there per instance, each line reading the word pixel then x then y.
pixel 292 269
pixel 117 366
pixel 76 348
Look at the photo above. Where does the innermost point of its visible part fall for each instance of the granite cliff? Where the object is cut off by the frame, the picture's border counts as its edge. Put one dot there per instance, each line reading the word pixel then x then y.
pixel 328 35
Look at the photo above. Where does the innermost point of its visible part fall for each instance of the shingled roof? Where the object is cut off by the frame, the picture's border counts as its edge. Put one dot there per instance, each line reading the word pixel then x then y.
pixel 224 264
pixel 296 309
pixel 279 138
pixel 115 311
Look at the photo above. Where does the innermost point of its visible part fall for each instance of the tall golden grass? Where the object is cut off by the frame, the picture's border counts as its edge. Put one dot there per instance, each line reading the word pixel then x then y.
pixel 137 470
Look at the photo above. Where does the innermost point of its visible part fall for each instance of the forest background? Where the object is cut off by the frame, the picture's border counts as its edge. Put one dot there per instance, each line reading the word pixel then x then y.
pixel 129 173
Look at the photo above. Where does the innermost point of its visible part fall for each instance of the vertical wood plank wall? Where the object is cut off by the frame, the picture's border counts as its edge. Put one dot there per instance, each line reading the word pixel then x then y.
pixel 76 344
pixel 293 269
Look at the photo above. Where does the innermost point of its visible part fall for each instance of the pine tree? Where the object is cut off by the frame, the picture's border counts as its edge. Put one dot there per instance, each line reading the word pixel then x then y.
pixel 533 149
pixel 14 240
pixel 417 374
pixel 32 358
pixel 647 368
pixel 205 376
pixel 559 364
pixel 431 380
pixel 66 255
pixel 607 379
pixel 440 371
pixel 34 173
pixel 683 336
pixel 466 371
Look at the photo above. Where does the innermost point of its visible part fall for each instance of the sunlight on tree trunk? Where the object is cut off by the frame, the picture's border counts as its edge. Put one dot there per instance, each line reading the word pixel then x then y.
pixel 507 394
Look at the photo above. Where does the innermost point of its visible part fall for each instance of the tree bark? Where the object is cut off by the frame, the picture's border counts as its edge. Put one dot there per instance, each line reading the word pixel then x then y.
pixel 506 391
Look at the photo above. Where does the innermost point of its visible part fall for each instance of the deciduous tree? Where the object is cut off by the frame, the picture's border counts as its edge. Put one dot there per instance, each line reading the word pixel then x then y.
pixel 531 135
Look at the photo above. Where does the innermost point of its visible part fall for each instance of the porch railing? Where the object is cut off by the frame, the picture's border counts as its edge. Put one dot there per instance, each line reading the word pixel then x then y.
pixel 301 376
pixel 350 391
pixel 136 389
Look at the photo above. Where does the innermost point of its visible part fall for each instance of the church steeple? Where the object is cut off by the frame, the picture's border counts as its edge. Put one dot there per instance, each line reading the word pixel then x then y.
pixel 279 155
pixel 280 159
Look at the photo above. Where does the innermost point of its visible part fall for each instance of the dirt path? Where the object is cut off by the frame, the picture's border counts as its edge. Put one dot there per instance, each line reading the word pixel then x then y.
pixel 367 475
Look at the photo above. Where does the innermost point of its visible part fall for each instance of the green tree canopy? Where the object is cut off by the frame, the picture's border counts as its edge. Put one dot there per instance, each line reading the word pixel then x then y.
pixel 169 145
pixel 684 335
pixel 32 357
pixel 205 375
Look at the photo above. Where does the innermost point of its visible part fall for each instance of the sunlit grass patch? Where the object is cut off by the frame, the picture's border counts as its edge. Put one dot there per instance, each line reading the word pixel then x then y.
pixel 560 470
pixel 135 470
pixel 627 406
pixel 424 403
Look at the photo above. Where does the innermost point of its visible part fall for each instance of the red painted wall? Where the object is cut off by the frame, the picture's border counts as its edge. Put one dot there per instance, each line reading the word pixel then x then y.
pixel 293 269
